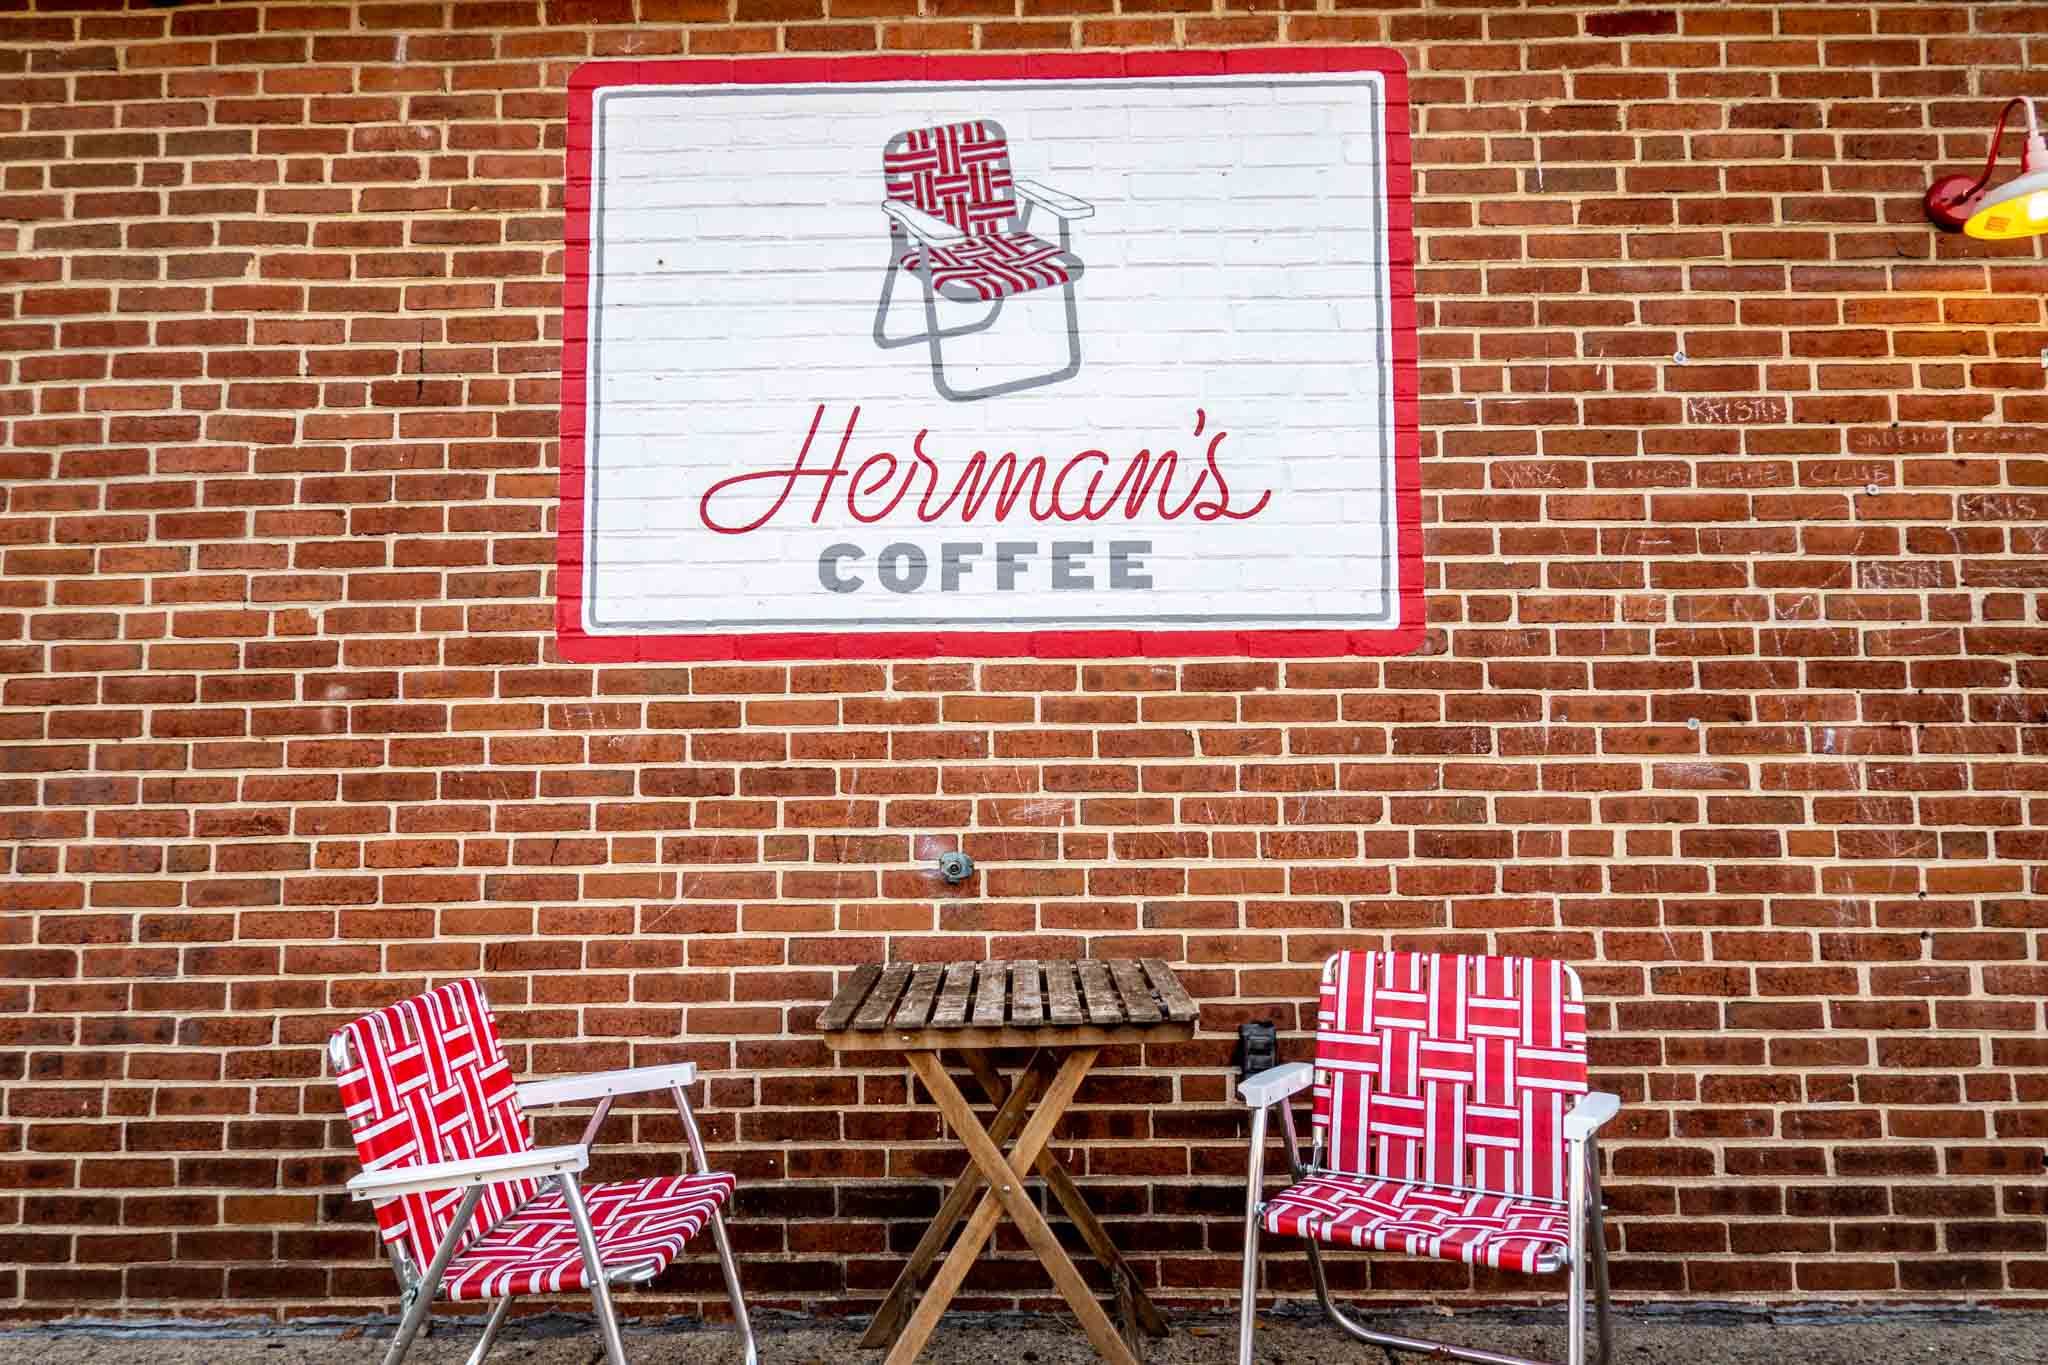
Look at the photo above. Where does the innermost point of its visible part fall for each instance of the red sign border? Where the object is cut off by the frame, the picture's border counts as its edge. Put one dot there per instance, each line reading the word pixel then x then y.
pixel 578 646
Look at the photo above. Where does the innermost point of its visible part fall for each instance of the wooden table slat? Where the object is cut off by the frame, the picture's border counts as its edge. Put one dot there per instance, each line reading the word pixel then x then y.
pixel 1174 997
pixel 840 1012
pixel 968 1038
pixel 1063 1001
pixel 881 1002
pixel 954 996
pixel 1131 985
pixel 1097 992
pixel 917 1000
pixel 1027 1003
pixel 991 994
pixel 1015 1001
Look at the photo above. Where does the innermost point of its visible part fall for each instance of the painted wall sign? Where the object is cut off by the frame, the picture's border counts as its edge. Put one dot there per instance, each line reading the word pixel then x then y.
pixel 1083 355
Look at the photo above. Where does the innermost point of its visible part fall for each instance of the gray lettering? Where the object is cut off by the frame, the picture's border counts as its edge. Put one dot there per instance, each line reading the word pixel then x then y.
pixel 1007 567
pixel 828 568
pixel 1066 575
pixel 901 567
pixel 1126 567
pixel 955 559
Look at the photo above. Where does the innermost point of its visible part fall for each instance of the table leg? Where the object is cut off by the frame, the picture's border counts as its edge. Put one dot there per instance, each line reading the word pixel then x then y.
pixel 895 1310
pixel 1090 1227
pixel 1006 1195
pixel 1125 1286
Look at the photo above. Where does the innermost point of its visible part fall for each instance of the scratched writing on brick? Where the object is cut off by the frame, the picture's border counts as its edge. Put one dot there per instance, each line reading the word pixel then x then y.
pixel 1734 411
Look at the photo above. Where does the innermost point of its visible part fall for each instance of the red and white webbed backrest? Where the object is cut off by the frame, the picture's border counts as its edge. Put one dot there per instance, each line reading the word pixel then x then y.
pixel 427 1081
pixel 958 171
pixel 1449 1070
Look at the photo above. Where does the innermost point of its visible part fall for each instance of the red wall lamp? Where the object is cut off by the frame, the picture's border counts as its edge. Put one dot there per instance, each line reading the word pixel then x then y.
pixel 2018 208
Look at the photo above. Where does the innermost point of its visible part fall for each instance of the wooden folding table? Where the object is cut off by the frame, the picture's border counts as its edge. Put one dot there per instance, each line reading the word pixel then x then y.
pixel 1063 1013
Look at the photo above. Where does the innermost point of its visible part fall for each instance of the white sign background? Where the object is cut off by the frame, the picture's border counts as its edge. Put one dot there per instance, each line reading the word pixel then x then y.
pixel 1236 264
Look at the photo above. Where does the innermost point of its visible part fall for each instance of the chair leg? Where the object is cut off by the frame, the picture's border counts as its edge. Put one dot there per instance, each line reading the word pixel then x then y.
pixel 953 395
pixel 1582 1222
pixel 702 1164
pixel 890 271
pixel 1575 1316
pixel 1604 1332
pixel 593 1270
pixel 931 331
pixel 422 1301
pixel 1597 1242
pixel 888 289
pixel 491 1326
pixel 732 1286
pixel 1387 1341
pixel 1248 1291
pixel 1073 365
pixel 933 334
pixel 409 1323
pixel 1248 1288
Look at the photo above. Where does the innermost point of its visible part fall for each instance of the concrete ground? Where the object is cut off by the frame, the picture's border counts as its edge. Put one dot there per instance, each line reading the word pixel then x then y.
pixel 1664 1339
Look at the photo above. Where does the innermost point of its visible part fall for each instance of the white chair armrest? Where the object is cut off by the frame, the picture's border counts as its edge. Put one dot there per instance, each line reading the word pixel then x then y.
pixel 638 1080
pixel 1052 201
pixel 1276 1083
pixel 921 225
pixel 536 1164
pixel 1589 1114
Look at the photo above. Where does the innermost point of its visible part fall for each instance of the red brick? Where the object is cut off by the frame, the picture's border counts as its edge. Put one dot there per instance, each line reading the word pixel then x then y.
pixel 1732 692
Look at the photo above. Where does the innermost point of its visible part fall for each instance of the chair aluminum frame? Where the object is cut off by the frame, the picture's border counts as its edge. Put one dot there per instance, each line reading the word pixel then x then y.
pixel 417 1288
pixel 1588 1228
pixel 902 234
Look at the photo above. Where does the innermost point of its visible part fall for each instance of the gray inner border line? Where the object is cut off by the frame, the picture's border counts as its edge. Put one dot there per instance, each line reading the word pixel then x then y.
pixel 592 472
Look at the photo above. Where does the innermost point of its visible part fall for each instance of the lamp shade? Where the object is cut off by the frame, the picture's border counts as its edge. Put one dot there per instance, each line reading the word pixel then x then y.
pixel 2018 208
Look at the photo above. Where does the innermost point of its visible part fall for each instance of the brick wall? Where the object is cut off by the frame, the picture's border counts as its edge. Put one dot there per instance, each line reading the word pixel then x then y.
pixel 1734 694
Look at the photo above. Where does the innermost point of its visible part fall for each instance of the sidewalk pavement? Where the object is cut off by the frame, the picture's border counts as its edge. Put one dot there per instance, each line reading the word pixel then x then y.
pixel 1663 1339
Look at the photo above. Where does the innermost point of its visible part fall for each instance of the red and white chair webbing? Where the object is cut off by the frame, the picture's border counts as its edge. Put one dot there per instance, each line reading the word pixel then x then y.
pixel 636 1223
pixel 958 171
pixel 428 1082
pixel 1495 1230
pixel 1449 1070
pixel 995 266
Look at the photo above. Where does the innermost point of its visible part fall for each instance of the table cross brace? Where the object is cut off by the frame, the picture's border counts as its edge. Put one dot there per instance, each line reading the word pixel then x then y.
pixel 895 1310
pixel 1006 1194
pixel 1137 1307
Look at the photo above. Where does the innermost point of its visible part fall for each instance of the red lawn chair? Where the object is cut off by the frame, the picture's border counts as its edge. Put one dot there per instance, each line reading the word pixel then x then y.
pixel 470 1209
pixel 960 222
pixel 1452 1120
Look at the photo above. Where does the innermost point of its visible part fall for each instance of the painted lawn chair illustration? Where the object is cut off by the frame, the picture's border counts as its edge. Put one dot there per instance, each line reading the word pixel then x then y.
pixel 1452 1120
pixel 955 222
pixel 470 1209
